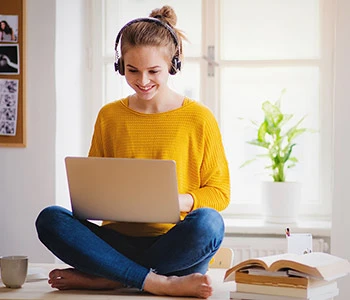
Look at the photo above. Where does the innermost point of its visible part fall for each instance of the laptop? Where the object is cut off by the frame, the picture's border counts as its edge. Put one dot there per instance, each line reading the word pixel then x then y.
pixel 123 189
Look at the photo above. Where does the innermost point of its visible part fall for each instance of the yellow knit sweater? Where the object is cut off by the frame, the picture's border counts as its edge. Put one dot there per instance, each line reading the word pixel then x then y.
pixel 189 135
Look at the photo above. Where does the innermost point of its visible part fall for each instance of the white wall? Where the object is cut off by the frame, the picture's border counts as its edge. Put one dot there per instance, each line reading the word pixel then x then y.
pixel 34 177
pixel 27 175
pixel 72 74
pixel 341 201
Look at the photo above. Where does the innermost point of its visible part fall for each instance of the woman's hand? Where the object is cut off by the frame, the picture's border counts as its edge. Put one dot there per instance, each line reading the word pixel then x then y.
pixel 186 202
pixel 5 60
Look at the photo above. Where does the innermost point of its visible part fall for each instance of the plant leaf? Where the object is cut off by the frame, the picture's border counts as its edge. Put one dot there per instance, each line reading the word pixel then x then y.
pixel 262 132
pixel 293 159
pixel 247 162
pixel 259 143
pixel 285 120
pixel 287 155
pixel 273 115
pixel 278 102
pixel 292 134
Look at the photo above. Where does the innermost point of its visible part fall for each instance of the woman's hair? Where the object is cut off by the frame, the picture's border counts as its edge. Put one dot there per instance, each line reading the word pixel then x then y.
pixel 151 34
pixel 7 29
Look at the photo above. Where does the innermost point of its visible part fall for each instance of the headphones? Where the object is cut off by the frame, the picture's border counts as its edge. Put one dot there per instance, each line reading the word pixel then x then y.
pixel 175 62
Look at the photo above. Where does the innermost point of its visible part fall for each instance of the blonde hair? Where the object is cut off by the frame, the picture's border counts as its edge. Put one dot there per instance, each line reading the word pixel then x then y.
pixel 151 34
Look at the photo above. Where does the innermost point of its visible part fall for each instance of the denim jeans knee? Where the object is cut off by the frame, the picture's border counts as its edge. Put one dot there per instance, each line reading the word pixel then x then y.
pixel 49 215
pixel 209 222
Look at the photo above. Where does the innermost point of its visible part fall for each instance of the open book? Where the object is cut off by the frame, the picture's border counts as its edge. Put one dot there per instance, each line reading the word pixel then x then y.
pixel 282 281
pixel 318 265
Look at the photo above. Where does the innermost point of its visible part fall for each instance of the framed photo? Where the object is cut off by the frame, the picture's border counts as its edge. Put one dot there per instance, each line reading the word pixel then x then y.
pixel 9 28
pixel 8 106
pixel 9 59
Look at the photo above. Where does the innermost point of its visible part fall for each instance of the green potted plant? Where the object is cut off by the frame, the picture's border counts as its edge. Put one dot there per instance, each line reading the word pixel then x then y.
pixel 280 198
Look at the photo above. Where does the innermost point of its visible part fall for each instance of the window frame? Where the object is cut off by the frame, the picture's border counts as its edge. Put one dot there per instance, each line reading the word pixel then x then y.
pixel 210 89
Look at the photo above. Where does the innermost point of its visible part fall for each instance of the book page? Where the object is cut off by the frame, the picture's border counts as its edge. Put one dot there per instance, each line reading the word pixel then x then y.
pixel 318 264
pixel 316 259
pixel 258 263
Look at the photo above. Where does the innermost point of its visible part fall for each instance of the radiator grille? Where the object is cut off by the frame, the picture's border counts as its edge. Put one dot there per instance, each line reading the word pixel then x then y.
pixel 247 247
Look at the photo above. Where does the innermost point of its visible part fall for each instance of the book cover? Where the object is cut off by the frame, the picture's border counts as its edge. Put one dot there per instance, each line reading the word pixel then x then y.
pixel 316 264
pixel 288 291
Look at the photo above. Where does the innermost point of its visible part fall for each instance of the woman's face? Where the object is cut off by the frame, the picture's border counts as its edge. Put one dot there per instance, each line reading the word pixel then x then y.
pixel 147 70
pixel 2 25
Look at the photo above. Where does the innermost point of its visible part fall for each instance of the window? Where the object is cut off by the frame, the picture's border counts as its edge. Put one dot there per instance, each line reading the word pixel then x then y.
pixel 241 53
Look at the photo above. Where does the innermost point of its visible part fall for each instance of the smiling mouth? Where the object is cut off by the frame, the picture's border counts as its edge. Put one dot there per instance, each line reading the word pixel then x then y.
pixel 145 89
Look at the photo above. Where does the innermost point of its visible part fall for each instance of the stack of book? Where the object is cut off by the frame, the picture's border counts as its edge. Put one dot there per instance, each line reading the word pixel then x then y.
pixel 311 276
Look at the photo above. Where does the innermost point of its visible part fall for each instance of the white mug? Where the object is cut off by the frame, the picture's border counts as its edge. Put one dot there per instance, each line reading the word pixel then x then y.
pixel 13 270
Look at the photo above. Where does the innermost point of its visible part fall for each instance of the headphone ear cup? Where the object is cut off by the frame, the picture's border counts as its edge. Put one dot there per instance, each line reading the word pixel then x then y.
pixel 175 65
pixel 121 66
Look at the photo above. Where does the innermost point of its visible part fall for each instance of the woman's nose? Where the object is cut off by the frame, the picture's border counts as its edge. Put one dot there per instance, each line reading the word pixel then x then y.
pixel 144 79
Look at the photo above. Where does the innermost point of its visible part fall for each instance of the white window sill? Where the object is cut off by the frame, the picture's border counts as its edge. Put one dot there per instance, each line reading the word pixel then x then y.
pixel 257 227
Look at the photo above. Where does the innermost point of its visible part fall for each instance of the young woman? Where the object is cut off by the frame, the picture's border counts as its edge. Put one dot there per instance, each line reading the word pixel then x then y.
pixel 154 123
pixel 6 32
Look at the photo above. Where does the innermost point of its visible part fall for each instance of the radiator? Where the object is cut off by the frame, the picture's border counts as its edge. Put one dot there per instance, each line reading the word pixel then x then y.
pixel 248 247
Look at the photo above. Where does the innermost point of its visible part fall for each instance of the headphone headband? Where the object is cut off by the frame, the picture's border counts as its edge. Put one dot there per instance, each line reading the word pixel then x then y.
pixel 176 63
pixel 148 20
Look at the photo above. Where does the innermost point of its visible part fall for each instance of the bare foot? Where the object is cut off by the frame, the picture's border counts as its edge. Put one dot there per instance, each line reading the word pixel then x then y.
pixel 67 279
pixel 193 285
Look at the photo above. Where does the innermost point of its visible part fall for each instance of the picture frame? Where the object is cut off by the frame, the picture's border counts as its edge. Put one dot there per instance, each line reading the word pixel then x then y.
pixel 12 74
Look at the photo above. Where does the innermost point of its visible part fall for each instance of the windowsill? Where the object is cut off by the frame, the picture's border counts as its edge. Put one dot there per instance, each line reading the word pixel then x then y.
pixel 257 227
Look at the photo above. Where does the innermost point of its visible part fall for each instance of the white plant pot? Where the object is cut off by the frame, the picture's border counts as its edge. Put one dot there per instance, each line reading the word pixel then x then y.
pixel 281 201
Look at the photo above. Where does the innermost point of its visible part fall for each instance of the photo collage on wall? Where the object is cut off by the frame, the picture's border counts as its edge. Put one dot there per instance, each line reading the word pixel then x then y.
pixel 9 65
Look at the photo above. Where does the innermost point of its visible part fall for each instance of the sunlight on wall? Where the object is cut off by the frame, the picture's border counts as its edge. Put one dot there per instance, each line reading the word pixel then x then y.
pixel 72 137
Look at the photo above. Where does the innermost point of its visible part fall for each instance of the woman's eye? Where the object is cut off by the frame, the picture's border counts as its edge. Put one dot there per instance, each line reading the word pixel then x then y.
pixel 151 71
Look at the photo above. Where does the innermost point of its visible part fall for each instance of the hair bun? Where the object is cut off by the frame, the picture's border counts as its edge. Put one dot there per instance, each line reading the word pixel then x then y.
pixel 165 14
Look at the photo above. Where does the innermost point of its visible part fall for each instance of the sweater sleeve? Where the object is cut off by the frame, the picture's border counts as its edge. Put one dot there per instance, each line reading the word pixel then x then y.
pixel 214 191
pixel 96 147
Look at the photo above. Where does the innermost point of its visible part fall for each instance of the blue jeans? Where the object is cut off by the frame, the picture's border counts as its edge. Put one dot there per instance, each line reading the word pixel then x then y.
pixel 186 248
